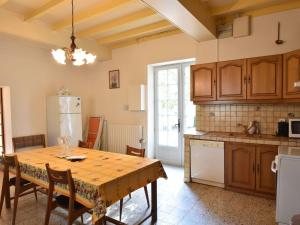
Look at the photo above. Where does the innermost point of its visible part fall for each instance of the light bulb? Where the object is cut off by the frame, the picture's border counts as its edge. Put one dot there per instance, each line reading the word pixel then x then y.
pixel 59 55
pixel 90 58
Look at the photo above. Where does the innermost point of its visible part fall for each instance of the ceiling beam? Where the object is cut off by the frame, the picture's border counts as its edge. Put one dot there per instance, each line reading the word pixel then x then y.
pixel 274 8
pixel 90 13
pixel 116 23
pixel 2 2
pixel 241 5
pixel 145 38
pixel 43 9
pixel 135 32
pixel 192 17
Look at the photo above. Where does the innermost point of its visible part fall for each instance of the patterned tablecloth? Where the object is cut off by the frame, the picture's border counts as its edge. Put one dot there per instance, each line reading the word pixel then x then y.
pixel 100 180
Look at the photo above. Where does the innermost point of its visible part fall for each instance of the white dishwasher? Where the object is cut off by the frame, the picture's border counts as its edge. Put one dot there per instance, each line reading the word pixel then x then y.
pixel 207 162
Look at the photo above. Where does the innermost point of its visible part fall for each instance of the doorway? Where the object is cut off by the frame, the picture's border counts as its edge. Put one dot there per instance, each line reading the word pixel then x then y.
pixel 2 140
pixel 174 113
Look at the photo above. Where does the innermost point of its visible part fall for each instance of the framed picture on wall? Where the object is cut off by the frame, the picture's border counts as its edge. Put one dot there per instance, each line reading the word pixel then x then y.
pixel 114 79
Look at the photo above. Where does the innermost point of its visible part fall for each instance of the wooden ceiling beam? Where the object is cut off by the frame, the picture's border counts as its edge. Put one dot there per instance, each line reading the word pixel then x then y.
pixel 191 16
pixel 135 32
pixel 145 38
pixel 90 13
pixel 241 5
pixel 284 6
pixel 116 23
pixel 43 9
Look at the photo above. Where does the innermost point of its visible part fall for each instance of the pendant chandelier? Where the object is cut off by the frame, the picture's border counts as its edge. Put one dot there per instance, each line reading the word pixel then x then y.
pixel 74 54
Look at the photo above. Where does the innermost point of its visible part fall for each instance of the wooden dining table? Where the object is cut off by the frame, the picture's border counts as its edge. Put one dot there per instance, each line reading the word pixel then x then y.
pixel 100 180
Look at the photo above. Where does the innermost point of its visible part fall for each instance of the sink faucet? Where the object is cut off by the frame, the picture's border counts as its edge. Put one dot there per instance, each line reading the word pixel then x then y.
pixel 253 127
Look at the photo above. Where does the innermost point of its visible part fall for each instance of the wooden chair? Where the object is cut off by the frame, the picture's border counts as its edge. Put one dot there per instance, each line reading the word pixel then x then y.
pixel 83 144
pixel 22 187
pixel 140 153
pixel 295 220
pixel 29 141
pixel 75 209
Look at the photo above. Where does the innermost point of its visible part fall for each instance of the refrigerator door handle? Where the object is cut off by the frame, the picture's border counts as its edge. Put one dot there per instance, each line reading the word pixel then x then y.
pixel 274 166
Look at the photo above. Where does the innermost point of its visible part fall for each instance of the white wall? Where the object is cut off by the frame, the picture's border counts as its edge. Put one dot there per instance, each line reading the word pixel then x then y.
pixel 133 60
pixel 32 74
pixel 261 41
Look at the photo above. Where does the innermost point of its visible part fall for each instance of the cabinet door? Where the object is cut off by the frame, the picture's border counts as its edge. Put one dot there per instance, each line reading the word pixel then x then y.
pixel 240 165
pixel 291 73
pixel 264 77
pixel 203 82
pixel 265 178
pixel 231 80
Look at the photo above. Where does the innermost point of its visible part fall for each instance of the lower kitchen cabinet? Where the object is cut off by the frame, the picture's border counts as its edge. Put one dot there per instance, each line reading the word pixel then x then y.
pixel 248 168
pixel 265 178
pixel 240 165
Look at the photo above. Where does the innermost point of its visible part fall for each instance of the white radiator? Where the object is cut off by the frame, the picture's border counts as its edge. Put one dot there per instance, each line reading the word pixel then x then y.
pixel 120 135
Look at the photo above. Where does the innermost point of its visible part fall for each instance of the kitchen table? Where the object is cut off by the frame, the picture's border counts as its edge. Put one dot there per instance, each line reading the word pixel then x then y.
pixel 100 180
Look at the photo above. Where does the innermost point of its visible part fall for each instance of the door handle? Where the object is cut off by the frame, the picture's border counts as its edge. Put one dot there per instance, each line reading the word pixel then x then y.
pixel 178 125
pixel 274 166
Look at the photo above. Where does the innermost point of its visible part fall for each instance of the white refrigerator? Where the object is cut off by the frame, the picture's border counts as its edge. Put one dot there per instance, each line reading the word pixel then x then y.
pixel 64 119
pixel 287 165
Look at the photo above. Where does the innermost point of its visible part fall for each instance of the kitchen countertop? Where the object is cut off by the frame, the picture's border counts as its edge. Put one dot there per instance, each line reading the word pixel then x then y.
pixel 290 151
pixel 241 137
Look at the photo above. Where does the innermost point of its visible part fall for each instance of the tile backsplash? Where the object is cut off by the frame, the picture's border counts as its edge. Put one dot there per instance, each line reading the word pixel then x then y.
pixel 227 117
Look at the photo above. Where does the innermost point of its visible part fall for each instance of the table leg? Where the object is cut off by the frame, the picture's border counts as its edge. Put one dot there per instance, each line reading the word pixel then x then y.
pixel 154 201
pixel 7 196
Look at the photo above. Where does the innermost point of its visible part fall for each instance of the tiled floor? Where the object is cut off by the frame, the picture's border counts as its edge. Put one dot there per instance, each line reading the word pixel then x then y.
pixel 178 204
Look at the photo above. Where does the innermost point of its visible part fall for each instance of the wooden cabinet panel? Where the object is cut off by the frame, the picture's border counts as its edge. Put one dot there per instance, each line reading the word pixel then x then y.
pixel 265 178
pixel 264 77
pixel 291 73
pixel 231 80
pixel 240 165
pixel 203 82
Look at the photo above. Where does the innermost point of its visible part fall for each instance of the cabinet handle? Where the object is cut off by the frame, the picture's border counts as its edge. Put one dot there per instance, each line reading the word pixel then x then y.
pixel 215 82
pixel 253 167
pixel 258 168
pixel 249 79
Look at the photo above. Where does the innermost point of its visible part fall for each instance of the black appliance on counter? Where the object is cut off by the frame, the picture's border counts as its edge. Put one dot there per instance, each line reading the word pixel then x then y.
pixel 283 129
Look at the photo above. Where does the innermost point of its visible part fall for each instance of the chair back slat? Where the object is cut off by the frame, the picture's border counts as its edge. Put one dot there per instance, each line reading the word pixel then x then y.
pixel 61 177
pixel 29 141
pixel 11 161
pixel 83 144
pixel 140 152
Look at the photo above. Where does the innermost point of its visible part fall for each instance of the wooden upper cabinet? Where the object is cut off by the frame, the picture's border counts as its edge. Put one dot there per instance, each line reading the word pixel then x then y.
pixel 265 178
pixel 231 80
pixel 203 82
pixel 291 73
pixel 264 77
pixel 240 165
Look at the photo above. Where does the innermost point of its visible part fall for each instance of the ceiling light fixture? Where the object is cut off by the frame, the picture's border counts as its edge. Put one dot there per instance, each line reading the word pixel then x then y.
pixel 74 54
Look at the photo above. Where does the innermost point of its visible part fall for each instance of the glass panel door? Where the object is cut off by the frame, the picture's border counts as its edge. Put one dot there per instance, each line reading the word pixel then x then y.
pixel 167 114
pixel 173 111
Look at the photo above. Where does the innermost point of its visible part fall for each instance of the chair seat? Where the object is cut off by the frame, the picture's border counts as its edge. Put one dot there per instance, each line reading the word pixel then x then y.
pixel 12 181
pixel 63 201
